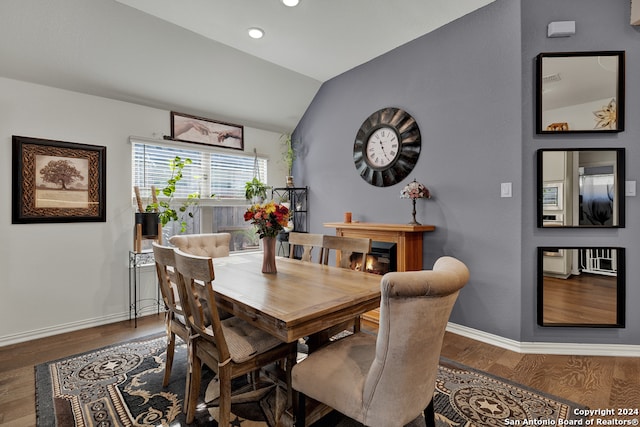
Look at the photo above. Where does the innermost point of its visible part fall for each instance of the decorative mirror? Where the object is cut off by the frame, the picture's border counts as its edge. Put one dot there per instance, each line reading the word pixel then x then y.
pixel 580 92
pixel 581 286
pixel 582 187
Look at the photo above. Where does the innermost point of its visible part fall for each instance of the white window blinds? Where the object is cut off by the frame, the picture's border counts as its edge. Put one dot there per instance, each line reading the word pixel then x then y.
pixel 222 174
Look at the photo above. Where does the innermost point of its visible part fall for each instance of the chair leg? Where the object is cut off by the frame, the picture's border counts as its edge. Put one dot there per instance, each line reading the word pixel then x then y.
pixel 195 373
pixel 290 362
pixel 224 403
pixel 356 325
pixel 430 415
pixel 301 412
pixel 171 345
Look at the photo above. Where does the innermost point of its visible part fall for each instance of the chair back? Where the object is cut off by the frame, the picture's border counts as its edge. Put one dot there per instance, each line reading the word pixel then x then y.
pixel 195 286
pixel 345 248
pixel 165 268
pixel 308 241
pixel 414 312
pixel 214 245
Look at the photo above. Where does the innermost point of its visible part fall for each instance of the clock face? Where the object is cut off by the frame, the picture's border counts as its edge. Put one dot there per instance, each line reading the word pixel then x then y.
pixel 382 147
pixel 387 147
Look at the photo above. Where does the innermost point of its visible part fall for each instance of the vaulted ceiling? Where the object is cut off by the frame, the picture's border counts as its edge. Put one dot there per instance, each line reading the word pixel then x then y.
pixel 194 56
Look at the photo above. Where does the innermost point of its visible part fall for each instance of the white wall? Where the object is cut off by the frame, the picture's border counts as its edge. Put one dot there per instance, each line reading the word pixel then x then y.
pixel 58 277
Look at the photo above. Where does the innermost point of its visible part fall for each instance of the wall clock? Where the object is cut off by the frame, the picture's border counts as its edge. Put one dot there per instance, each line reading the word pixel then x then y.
pixel 387 147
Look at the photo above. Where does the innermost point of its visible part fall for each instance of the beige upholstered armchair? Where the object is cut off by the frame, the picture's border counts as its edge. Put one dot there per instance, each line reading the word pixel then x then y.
pixel 214 245
pixel 388 380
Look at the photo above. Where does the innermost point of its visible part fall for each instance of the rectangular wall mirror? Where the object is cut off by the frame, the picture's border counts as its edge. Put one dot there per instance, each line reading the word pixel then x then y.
pixel 581 286
pixel 580 92
pixel 582 187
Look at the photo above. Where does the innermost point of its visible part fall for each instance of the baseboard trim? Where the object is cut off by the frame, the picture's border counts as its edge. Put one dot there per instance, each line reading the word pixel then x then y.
pixel 577 349
pixel 60 329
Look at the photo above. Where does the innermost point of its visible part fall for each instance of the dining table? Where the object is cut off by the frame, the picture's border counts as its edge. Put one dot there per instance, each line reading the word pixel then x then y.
pixel 300 300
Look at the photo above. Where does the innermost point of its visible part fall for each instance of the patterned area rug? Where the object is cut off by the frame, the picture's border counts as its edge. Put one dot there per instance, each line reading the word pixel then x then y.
pixel 121 385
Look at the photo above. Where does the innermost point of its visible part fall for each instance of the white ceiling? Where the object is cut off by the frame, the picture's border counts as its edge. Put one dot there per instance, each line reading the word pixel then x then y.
pixel 194 56
pixel 318 38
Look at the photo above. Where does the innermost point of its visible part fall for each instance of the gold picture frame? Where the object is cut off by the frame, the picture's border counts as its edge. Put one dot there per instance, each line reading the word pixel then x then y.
pixel 57 181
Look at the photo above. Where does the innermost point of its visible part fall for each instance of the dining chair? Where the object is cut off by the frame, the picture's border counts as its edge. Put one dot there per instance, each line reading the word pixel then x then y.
pixel 214 245
pixel 350 252
pixel 231 347
pixel 387 380
pixel 345 248
pixel 175 322
pixel 308 241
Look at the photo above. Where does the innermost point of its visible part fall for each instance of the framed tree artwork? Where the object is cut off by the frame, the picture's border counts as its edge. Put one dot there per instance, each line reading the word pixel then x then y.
pixel 56 181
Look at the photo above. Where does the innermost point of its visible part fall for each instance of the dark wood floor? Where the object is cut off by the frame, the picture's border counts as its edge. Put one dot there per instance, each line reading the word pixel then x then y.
pixel 598 382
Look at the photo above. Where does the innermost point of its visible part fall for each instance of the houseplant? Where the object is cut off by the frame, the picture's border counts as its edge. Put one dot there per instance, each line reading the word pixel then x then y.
pixel 165 207
pixel 288 156
pixel 255 190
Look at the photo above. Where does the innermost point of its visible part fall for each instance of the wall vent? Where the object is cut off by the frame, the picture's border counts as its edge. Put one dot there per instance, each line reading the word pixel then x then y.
pixel 551 78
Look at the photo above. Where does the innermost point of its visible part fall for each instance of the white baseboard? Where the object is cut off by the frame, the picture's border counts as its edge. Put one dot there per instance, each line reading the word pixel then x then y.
pixel 578 349
pixel 60 329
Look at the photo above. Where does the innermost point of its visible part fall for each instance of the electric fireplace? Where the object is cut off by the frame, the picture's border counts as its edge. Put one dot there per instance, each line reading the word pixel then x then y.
pixel 381 259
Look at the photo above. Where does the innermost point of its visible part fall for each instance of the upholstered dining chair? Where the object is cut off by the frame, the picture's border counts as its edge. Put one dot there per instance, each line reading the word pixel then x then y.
pixel 308 241
pixel 344 248
pixel 174 316
pixel 214 245
pixel 388 380
pixel 230 347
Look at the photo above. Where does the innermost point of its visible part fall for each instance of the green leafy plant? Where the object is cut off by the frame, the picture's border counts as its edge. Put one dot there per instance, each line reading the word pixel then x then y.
pixel 164 206
pixel 255 189
pixel 288 151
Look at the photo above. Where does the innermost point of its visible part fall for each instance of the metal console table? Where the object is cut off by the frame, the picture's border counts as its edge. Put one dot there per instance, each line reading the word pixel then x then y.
pixel 137 260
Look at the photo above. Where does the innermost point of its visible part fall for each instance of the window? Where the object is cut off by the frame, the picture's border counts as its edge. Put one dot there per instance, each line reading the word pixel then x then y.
pixel 211 172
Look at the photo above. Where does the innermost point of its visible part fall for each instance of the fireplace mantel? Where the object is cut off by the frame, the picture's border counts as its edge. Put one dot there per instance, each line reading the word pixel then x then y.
pixel 408 238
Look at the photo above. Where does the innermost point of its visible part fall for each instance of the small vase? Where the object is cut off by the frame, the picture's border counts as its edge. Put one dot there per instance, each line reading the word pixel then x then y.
pixel 269 255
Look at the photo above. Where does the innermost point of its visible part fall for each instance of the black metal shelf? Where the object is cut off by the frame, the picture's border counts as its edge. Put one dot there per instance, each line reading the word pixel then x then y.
pixel 298 199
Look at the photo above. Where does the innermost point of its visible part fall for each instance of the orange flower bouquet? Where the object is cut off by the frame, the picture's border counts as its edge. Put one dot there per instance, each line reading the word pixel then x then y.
pixel 269 218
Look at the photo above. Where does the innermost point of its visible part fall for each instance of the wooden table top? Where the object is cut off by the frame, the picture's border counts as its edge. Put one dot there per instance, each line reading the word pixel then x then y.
pixel 300 300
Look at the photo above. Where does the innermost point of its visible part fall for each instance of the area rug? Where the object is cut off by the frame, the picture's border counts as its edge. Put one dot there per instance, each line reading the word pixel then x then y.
pixel 121 385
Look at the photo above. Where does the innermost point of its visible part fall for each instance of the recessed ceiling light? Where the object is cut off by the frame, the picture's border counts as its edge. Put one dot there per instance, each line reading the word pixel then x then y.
pixel 256 33
pixel 290 3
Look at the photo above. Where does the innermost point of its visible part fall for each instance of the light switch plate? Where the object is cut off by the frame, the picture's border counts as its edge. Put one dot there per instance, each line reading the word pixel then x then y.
pixel 505 189
pixel 630 188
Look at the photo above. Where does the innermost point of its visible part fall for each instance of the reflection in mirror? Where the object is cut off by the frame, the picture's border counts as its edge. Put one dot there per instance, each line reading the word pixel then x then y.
pixel 581 187
pixel 581 286
pixel 580 92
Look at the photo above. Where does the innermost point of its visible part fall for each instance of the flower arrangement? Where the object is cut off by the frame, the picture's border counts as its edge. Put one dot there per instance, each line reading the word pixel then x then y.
pixel 269 218
pixel 415 190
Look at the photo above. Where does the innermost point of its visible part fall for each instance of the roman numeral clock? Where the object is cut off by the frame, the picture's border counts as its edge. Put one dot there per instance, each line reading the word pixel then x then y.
pixel 387 147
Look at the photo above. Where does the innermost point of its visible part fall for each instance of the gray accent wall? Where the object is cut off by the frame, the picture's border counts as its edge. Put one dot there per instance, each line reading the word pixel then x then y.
pixel 470 86
pixel 600 25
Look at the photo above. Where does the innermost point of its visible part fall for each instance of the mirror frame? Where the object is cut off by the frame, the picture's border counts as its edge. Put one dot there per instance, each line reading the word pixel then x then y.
pixel 620 289
pixel 619 187
pixel 620 95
